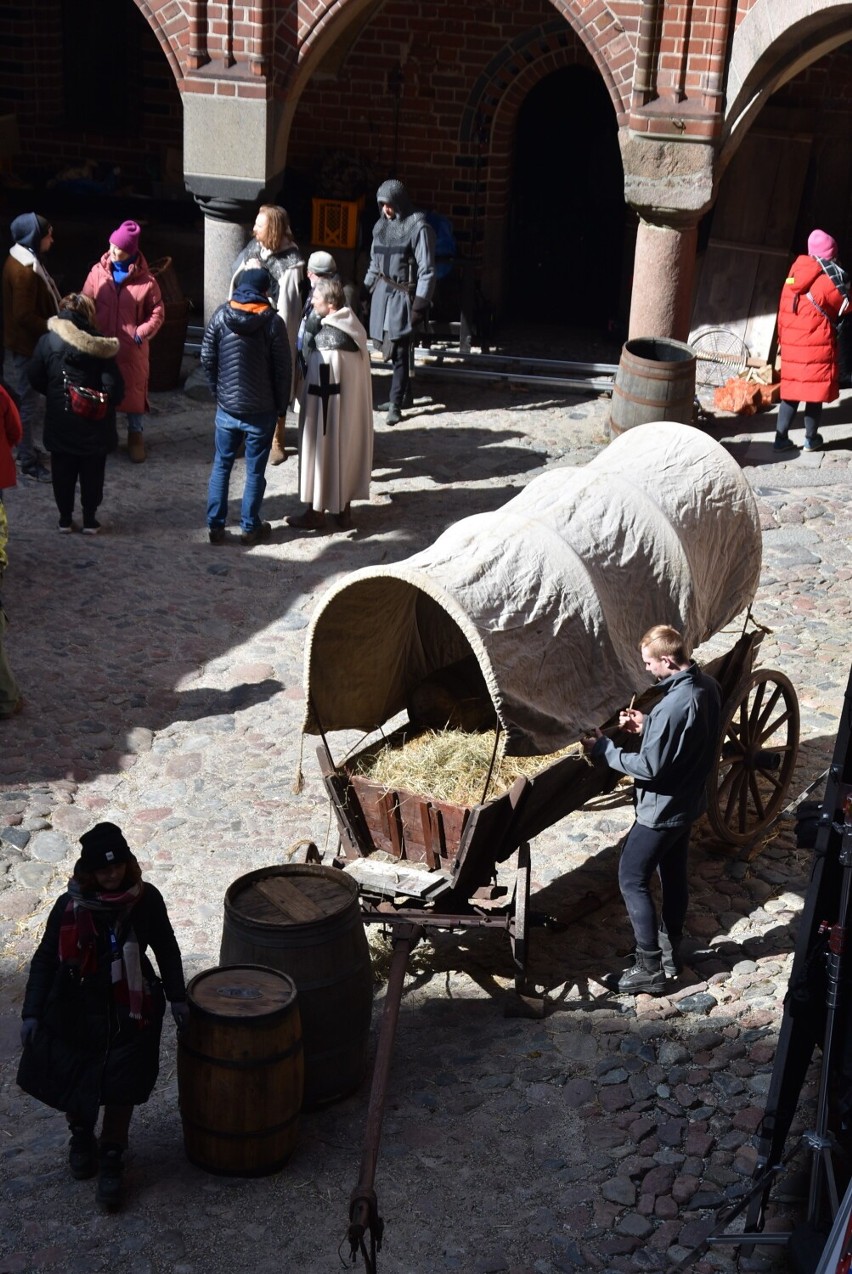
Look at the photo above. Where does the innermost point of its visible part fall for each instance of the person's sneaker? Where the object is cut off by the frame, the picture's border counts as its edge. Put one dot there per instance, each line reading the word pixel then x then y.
pixel 65 528
pixel 82 1154
pixel 814 443
pixel 394 415
pixel 91 528
pixel 258 536
pixel 109 1178
pixel 217 534
pixel 784 443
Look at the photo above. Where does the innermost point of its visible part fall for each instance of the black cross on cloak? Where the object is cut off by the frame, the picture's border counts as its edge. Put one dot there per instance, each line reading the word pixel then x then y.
pixel 324 390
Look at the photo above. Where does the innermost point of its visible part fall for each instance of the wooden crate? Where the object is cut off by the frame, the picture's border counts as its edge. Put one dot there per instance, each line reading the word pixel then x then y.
pixel 410 826
pixel 334 222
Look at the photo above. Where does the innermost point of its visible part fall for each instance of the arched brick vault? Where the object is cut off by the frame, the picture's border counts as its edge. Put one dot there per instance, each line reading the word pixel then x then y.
pixel 488 120
pixel 170 23
pixel 771 45
pixel 321 22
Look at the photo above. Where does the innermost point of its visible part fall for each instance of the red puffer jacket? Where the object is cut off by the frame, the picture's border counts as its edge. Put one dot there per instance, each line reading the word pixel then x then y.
pixel 134 309
pixel 10 436
pixel 807 316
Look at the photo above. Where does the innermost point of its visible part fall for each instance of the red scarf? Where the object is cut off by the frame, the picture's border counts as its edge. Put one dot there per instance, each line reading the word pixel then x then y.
pixel 78 943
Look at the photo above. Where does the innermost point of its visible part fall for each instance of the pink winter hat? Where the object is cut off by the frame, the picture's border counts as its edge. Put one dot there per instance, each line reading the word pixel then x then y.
pixel 126 237
pixel 822 245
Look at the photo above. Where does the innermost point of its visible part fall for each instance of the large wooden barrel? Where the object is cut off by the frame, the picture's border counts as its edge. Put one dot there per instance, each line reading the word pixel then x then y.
pixel 166 351
pixel 240 1070
pixel 306 921
pixel 655 381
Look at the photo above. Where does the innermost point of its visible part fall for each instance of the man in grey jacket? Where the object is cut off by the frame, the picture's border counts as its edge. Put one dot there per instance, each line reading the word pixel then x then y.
pixel 401 277
pixel 679 741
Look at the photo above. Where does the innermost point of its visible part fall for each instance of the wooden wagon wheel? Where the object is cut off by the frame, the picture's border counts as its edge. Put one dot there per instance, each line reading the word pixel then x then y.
pixel 758 746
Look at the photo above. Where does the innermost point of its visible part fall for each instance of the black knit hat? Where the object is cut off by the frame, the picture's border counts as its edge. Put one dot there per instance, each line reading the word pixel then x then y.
pixel 103 846
pixel 257 280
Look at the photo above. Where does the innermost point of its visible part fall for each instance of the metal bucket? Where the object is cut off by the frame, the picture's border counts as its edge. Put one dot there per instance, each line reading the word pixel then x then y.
pixel 306 921
pixel 240 1070
pixel 655 381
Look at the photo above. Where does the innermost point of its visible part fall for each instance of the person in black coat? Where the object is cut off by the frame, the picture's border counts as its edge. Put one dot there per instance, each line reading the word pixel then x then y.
pixel 75 368
pixel 245 354
pixel 93 1006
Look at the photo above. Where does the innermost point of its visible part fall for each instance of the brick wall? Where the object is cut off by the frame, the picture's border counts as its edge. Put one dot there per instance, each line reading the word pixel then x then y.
pixel 32 86
pixel 436 101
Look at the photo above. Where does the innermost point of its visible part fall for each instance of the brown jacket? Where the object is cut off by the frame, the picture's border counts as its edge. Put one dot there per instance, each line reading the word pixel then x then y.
pixel 27 305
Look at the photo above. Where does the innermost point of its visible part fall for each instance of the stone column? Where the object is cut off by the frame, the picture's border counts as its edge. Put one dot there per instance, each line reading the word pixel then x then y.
pixel 670 184
pixel 227 228
pixel 663 277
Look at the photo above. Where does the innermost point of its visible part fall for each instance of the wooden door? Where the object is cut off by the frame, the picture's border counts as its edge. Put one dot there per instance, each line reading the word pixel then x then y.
pixel 751 243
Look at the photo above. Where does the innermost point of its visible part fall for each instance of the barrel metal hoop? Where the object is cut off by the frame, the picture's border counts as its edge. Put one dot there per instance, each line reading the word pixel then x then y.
pixel 260 1135
pixel 242 1064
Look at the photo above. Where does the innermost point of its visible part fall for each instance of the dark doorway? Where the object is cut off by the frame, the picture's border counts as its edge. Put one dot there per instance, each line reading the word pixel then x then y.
pixel 567 211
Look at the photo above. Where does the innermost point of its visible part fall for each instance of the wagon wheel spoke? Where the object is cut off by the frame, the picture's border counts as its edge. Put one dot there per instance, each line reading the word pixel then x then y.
pixel 733 772
pixel 733 737
pixel 767 712
pixel 756 797
pixel 754 713
pixel 771 776
pixel 734 796
pixel 772 727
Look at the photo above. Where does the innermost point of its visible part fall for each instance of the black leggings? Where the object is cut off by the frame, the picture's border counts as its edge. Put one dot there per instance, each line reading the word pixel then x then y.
pixel 787 412
pixel 65 470
pixel 649 851
pixel 401 362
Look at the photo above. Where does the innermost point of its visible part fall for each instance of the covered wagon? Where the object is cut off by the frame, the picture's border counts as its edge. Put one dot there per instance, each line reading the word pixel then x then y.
pixel 526 622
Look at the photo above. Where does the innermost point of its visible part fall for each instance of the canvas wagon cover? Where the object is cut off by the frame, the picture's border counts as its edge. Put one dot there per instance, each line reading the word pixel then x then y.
pixel 552 592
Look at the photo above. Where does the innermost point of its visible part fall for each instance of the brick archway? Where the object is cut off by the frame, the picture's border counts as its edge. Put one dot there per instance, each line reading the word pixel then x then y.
pixel 771 45
pixel 487 132
pixel 171 27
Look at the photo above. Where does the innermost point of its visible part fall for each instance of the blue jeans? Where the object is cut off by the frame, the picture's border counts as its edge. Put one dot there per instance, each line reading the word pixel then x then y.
pixel 230 432
pixel 29 408
pixel 650 850
pixel 135 422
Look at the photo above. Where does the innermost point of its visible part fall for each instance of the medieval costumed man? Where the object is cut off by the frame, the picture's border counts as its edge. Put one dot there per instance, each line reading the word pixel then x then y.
pixel 401 277
pixel 336 415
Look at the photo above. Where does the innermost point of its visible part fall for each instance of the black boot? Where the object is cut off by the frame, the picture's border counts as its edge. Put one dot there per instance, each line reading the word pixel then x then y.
pixel 670 950
pixel 645 975
pixel 109 1181
pixel 82 1152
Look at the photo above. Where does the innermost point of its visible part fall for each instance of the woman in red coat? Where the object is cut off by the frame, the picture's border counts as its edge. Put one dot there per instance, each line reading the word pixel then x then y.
pixel 813 300
pixel 128 305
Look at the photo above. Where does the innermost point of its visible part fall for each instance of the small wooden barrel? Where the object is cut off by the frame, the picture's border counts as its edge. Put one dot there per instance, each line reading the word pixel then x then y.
pixel 240 1070
pixel 306 921
pixel 167 345
pixel 655 381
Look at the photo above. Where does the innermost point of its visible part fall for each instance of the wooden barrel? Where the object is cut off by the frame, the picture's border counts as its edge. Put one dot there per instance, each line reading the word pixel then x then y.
pixel 166 351
pixel 306 921
pixel 240 1070
pixel 655 381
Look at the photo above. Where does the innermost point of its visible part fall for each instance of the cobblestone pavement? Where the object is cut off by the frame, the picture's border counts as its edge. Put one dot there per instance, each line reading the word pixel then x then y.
pixel 163 684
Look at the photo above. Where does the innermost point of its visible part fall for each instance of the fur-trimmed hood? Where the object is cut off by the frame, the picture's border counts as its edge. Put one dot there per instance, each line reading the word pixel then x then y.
pixel 80 338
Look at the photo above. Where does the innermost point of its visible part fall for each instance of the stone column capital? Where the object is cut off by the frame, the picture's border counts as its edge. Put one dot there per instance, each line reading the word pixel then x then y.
pixel 668 182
